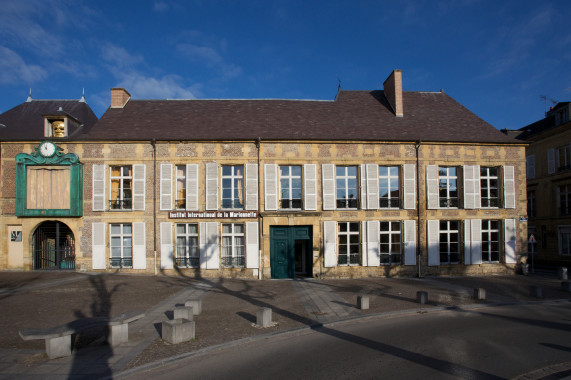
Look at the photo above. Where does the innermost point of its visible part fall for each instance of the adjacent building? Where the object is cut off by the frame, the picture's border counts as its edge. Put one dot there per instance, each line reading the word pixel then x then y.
pixel 374 183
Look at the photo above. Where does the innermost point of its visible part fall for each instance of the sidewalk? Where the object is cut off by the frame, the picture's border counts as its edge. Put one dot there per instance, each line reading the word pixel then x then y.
pixel 229 307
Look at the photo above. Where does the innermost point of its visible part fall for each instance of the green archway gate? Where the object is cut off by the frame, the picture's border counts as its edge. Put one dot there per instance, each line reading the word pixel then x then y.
pixel 291 251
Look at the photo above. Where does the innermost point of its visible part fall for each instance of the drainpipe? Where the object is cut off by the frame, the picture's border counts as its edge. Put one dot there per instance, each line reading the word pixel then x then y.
pixel 154 144
pixel 260 224
pixel 418 251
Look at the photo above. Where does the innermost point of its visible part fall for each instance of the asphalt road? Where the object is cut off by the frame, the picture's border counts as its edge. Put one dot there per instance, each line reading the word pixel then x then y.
pixel 484 343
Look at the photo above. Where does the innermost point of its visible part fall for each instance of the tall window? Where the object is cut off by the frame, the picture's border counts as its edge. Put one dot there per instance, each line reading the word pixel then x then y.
pixel 290 187
pixel 565 241
pixel 389 187
pixel 349 243
pixel 489 187
pixel 180 202
pixel 233 187
pixel 448 186
pixel 390 242
pixel 449 242
pixel 233 252
pixel 563 157
pixel 121 187
pixel 490 240
pixel 565 199
pixel 121 246
pixel 346 184
pixel 187 251
pixel 531 203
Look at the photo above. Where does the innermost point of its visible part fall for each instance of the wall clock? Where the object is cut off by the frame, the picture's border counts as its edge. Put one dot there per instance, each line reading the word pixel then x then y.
pixel 47 149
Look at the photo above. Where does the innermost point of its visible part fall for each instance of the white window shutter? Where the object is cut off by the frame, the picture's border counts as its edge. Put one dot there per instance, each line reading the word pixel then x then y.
pixel 212 186
pixel 328 179
pixel 363 186
pixel 166 187
pixel 373 254
pixel 167 254
pixel 192 187
pixel 476 241
pixel 550 161
pixel 467 242
pixel 98 245
pixel 270 187
pixel 510 241
pixel 209 246
pixel 364 244
pixel 509 187
pixel 330 244
pixel 530 166
pixel 372 187
pixel 139 173
pixel 433 242
pixel 410 242
pixel 310 187
pixel 98 194
pixel 139 246
pixel 251 187
pixel 252 246
pixel 409 185
pixel 432 186
pixel 472 188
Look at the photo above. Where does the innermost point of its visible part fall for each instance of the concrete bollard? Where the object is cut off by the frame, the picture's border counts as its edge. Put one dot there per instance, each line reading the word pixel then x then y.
pixel 178 331
pixel 566 286
pixel 183 312
pixel 363 302
pixel 562 273
pixel 264 317
pixel 422 297
pixel 536 291
pixel 196 305
pixel 480 294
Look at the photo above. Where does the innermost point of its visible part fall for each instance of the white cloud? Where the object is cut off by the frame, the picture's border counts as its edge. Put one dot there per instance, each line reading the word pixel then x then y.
pixel 13 69
pixel 119 57
pixel 167 87
pixel 202 54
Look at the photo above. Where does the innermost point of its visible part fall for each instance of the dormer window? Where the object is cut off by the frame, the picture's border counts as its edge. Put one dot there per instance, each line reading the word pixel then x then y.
pixel 56 128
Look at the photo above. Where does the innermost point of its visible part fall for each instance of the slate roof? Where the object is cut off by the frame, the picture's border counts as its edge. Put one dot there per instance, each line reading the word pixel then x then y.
pixel 25 122
pixel 353 115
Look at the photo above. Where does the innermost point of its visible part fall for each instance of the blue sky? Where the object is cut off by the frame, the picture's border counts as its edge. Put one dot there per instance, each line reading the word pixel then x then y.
pixel 495 57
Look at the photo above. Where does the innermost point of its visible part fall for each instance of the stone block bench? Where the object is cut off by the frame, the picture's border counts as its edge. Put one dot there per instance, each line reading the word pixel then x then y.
pixel 58 339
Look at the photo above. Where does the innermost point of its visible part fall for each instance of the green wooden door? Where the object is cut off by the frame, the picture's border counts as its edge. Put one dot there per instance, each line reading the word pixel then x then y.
pixel 282 249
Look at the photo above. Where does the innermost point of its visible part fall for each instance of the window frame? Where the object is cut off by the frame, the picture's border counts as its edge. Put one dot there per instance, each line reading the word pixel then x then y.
pixel 448 201
pixel 563 153
pixel 120 203
pixel 180 194
pixel 390 232
pixel 448 232
pixel 236 189
pixel 488 252
pixel 531 207
pixel 190 257
pixel 347 234
pixel 564 200
pixel 388 177
pixel 123 260
pixel 237 257
pixel 346 202
pixel 290 177
pixel 488 179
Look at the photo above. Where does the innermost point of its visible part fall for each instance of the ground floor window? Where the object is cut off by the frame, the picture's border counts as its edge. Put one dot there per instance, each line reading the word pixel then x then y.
pixel 121 246
pixel 490 240
pixel 349 243
pixel 233 252
pixel 449 242
pixel 390 243
pixel 565 240
pixel 187 250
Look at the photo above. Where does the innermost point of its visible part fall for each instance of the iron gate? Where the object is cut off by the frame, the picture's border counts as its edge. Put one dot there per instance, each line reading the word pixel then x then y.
pixel 54 246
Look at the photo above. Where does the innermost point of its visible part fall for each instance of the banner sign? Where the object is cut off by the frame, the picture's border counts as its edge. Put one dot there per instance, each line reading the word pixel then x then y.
pixel 212 214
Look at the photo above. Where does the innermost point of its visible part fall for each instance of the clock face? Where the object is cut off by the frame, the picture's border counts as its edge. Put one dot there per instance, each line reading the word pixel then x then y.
pixel 47 149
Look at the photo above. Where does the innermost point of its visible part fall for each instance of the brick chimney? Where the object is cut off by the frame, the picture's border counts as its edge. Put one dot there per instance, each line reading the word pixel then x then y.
pixel 393 92
pixel 119 97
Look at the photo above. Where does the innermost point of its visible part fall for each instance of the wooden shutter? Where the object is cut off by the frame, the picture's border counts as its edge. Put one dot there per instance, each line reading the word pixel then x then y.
pixel 363 186
pixel 373 253
pixel 310 187
pixel 166 187
pixel 550 161
pixel 252 246
pixel 364 244
pixel 251 187
pixel 139 246
pixel 330 244
pixel 467 242
pixel 98 200
pixel 509 187
pixel 372 186
pixel 209 246
pixel 409 185
pixel 410 242
pixel 328 179
pixel 510 241
pixel 98 245
pixel 212 186
pixel 270 187
pixel 433 242
pixel 167 256
pixel 432 186
pixel 192 187
pixel 476 241
pixel 530 166
pixel 472 190
pixel 139 173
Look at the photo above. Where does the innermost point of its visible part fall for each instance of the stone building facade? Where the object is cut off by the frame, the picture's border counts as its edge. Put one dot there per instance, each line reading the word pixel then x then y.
pixel 374 183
